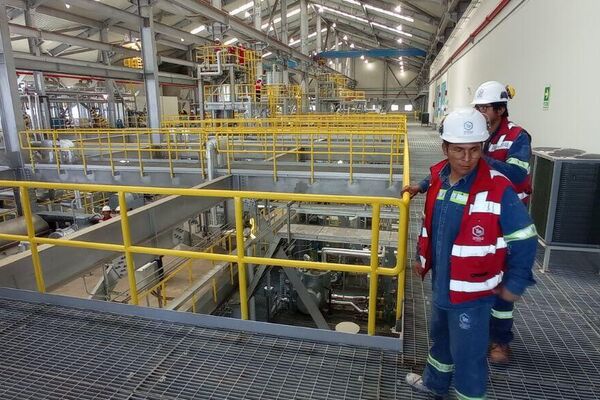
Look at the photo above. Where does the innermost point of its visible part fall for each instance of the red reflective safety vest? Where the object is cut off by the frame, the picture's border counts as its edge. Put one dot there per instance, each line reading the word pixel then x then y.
pixel 479 251
pixel 498 148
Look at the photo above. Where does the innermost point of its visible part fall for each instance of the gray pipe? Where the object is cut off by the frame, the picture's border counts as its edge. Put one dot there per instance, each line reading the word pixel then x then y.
pixel 18 226
pixel 219 70
pixel 211 166
pixel 347 252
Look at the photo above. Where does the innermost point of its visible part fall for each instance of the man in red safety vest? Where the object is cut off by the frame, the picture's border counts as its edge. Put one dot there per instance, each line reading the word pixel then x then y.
pixel 480 243
pixel 508 151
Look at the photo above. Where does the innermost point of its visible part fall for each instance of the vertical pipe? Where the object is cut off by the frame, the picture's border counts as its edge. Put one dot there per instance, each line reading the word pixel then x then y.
pixel 239 241
pixel 129 262
pixel 35 256
pixel 374 265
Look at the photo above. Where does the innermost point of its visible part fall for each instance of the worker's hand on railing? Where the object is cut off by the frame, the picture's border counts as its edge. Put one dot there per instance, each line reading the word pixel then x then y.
pixel 413 190
pixel 418 269
pixel 506 295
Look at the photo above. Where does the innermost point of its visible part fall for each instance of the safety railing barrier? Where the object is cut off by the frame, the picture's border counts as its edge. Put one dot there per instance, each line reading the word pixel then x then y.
pixel 351 139
pixel 88 202
pixel 128 248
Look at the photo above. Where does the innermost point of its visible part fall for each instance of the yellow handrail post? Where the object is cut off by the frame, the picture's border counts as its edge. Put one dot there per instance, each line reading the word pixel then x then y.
pixel 139 149
pixel 374 265
pixel 351 157
pixel 35 256
pixel 170 156
pixel 274 157
pixel 56 145
pixel 239 236
pixel 110 154
pixel 129 262
pixel 312 159
pixel 83 160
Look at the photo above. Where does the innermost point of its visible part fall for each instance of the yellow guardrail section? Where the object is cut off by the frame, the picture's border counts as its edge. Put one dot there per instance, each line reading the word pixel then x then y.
pixel 309 136
pixel 241 259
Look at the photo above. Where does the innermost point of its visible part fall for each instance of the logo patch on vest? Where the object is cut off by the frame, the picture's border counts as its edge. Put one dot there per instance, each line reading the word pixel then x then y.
pixel 464 321
pixel 478 233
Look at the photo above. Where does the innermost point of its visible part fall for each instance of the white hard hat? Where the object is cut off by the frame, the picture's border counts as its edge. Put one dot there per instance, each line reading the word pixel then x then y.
pixel 105 208
pixel 465 126
pixel 491 92
pixel 118 209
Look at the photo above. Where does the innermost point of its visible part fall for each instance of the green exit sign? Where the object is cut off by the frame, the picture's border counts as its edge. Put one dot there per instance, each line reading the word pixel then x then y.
pixel 546 103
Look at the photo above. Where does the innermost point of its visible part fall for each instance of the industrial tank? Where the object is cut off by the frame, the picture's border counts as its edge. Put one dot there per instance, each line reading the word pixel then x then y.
pixel 17 226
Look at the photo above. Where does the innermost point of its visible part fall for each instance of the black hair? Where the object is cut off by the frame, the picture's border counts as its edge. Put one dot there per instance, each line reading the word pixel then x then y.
pixel 496 106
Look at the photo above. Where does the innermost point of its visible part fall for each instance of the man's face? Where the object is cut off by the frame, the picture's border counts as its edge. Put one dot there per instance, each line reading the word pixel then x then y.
pixel 463 157
pixel 489 113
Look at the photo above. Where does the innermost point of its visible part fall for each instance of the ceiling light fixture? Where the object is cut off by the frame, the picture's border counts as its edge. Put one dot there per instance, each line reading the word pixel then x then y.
pixel 362 56
pixel 381 10
pixel 241 8
pixel 198 29
pixel 67 5
pixel 267 54
pixel 230 41
pixel 345 37
pixel 351 45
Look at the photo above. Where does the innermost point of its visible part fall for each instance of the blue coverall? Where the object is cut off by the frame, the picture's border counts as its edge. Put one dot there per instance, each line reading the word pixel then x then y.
pixel 460 332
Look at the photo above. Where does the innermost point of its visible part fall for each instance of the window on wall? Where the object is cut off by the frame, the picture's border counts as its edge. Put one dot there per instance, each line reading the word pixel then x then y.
pixel 394 107
pixel 408 107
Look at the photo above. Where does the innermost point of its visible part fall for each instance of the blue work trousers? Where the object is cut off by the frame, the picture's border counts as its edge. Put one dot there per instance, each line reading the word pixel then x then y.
pixel 501 322
pixel 459 347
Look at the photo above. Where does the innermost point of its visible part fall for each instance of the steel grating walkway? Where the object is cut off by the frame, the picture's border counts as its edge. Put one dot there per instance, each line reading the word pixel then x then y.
pixel 556 351
pixel 60 348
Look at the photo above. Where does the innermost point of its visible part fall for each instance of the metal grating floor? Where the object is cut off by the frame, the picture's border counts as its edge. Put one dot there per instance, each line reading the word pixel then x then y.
pixel 57 352
pixel 556 351
pixel 54 351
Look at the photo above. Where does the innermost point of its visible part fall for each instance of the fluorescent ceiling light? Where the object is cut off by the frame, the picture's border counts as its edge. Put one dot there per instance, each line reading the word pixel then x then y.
pixel 278 19
pixel 198 29
pixel 345 37
pixel 266 54
pixel 230 41
pixel 312 34
pixel 67 5
pixel 334 25
pixel 391 29
pixel 362 56
pixel 324 30
pixel 399 40
pixel 182 39
pixel 293 42
pixel 241 8
pixel 351 45
pixel 381 10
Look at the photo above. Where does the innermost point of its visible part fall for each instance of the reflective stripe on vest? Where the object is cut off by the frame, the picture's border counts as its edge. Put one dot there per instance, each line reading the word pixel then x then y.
pixel 501 145
pixel 477 251
pixel 470 287
pixel 522 195
pixel 481 205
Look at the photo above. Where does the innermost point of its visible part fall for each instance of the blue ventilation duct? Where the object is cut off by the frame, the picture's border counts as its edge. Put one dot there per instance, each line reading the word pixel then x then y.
pixel 374 53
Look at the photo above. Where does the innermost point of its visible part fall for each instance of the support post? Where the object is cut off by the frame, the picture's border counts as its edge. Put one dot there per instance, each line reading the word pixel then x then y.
pixel 10 102
pixel 151 80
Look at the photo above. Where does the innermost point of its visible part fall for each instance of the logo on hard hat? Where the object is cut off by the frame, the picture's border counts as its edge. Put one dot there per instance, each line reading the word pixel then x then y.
pixel 480 93
pixel 478 233
pixel 468 125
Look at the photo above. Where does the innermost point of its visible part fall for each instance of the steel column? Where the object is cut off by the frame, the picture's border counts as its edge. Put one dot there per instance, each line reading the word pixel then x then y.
pixel 110 84
pixel 319 38
pixel 38 76
pixel 151 80
pixel 12 120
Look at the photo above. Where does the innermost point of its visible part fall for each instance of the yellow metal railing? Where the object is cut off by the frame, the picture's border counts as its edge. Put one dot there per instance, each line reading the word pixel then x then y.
pixel 241 259
pixel 186 268
pixel 351 139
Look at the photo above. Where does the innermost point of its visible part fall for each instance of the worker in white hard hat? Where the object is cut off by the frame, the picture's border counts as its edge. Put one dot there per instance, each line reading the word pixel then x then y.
pixel 508 151
pixel 106 213
pixel 118 210
pixel 479 242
